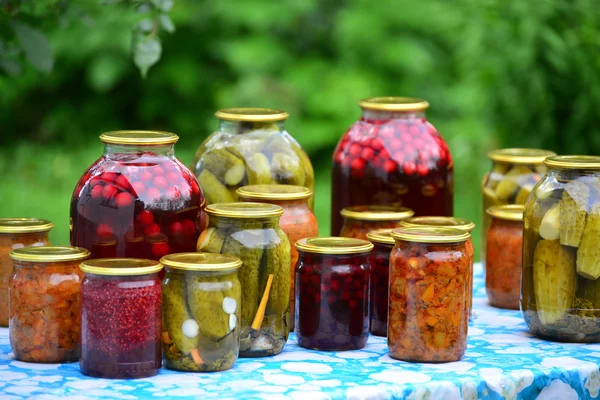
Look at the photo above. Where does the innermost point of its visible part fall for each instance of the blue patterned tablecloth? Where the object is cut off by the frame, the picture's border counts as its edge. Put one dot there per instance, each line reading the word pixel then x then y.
pixel 503 361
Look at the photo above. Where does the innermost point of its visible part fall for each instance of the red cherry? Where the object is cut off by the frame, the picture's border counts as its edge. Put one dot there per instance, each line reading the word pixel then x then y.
pixel 406 138
pixel 189 227
pixel 396 144
pixel 357 167
pixel 173 193
pixel 376 144
pixel 152 229
pixel 96 181
pixel 376 162
pixel 408 149
pixel 424 156
pixel 414 130
pixel 123 182
pixel 146 176
pixel 334 285
pixel 422 170
pixel 160 182
pixel 138 187
pixel 386 132
pixel 389 166
pixel 158 170
pixel 153 194
pixel 384 154
pixel 176 228
pixel 338 157
pixel 96 192
pixel 104 231
pixel 354 150
pixel 173 178
pixel 146 217
pixel 366 141
pixel 367 153
pixel 160 249
pixel 409 168
pixel 109 191
pixel 109 176
pixel 124 199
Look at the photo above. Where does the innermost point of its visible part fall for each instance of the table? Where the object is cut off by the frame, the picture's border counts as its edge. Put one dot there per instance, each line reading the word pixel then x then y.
pixel 503 361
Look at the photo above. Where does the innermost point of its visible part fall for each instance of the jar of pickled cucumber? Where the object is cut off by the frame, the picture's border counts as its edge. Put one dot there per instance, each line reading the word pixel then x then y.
pixel 560 289
pixel 250 147
pixel 379 259
pixel 392 156
pixel 360 220
pixel 298 221
pixel 14 234
pixel 201 308
pixel 251 232
pixel 513 175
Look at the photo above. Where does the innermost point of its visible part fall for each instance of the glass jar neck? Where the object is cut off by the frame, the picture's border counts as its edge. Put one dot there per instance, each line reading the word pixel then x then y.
pixel 164 150
pixel 243 223
pixel 570 174
pixel 377 115
pixel 239 127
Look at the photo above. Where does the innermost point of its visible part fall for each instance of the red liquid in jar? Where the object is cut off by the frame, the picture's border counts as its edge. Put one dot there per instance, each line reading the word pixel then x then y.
pixel 380 275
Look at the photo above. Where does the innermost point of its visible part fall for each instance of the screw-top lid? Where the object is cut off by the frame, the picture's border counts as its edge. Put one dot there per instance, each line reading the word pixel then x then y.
pixel 458 223
pixel 24 225
pixel 274 192
pixel 511 212
pixel 120 266
pixel 376 213
pixel 49 254
pixel 392 103
pixel 573 162
pixel 430 234
pixel 244 210
pixel 333 245
pixel 139 138
pixel 520 156
pixel 251 114
pixel 381 236
pixel 208 262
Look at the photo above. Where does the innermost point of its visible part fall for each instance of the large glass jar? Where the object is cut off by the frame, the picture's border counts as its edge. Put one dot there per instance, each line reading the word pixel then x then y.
pixel 44 325
pixel 513 175
pixel 120 318
pixel 428 315
pixel 14 234
pixel 137 200
pixel 298 221
pixel 360 220
pixel 504 256
pixel 392 156
pixel 251 232
pixel 332 293
pixel 250 147
pixel 201 301
pixel 560 289
pixel 379 259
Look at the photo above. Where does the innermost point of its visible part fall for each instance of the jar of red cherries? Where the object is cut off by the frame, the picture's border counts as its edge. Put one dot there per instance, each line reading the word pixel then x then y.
pixel 137 200
pixel 392 156
pixel 379 258
pixel 332 293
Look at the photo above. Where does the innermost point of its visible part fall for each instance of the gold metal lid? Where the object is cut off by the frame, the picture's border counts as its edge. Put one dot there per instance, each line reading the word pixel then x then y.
pixel 511 212
pixel 430 234
pixel 156 238
pixel 458 223
pixel 207 262
pixel 140 138
pixel 392 103
pixel 120 266
pixel 520 156
pixel 49 254
pixel 244 210
pixel 376 213
pixel 24 225
pixel 334 245
pixel 251 114
pixel 274 192
pixel 381 236
pixel 573 162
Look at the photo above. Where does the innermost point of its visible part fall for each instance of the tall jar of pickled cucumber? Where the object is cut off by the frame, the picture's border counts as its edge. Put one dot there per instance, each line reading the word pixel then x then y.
pixel 250 147
pixel 251 232
pixel 513 175
pixel 392 156
pixel 560 289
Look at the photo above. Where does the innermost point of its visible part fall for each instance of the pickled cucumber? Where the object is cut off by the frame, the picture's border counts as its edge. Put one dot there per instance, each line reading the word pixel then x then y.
pixel 210 241
pixel 214 191
pixel 205 296
pixel 225 166
pixel 588 253
pixel 524 192
pixel 276 261
pixel 278 144
pixel 573 212
pixel 490 196
pixel 287 169
pixel 496 175
pixel 512 182
pixel 550 226
pixel 176 313
pixel 259 169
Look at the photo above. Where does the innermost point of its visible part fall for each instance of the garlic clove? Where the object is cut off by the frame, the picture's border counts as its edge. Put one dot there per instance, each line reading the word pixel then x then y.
pixel 232 321
pixel 229 305
pixel 190 328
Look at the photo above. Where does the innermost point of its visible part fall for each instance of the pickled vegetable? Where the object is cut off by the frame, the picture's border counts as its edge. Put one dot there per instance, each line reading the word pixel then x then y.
pixel 213 189
pixel 225 166
pixel 588 253
pixel 572 213
pixel 550 225
pixel 512 182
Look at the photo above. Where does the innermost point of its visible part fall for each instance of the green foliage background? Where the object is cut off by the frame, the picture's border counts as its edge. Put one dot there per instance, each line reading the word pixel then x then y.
pixel 497 74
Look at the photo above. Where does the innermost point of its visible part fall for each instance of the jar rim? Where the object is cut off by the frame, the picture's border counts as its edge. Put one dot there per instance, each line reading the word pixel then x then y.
pixel 381 236
pixel 518 155
pixel 451 222
pixel 508 212
pixel 201 262
pixel 49 254
pixel 430 234
pixel 573 162
pixel 120 266
pixel 274 192
pixel 333 245
pixel 25 225
pixel 393 103
pixel 244 210
pixel 251 114
pixel 376 213
pixel 139 137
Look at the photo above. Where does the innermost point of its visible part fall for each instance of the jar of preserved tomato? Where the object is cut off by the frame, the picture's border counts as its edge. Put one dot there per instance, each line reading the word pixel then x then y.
pixel 332 293
pixel 560 287
pixel 298 221
pixel 137 200
pixel 14 234
pixel 201 308
pixel 120 318
pixel 44 324
pixel 428 316
pixel 513 175
pixel 392 156
pixel 360 220
pixel 379 259
pixel 504 256
pixel 251 232
pixel 250 147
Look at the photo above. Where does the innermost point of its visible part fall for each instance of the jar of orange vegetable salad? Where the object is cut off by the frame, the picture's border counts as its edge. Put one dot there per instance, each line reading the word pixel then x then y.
pixel 504 256
pixel 428 316
pixel 360 220
pixel 44 296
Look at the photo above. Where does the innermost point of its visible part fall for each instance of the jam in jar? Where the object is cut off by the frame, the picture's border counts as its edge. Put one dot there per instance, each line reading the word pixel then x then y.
pixel 379 259
pixel 332 293
pixel 392 156
pixel 44 325
pixel 120 318
pixel 360 220
pixel 428 315
pixel 14 234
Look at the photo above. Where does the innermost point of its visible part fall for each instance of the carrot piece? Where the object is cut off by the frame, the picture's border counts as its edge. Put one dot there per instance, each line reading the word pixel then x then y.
pixel 196 356
pixel 260 312
pixel 428 293
pixel 166 338
pixel 431 321
pixel 173 349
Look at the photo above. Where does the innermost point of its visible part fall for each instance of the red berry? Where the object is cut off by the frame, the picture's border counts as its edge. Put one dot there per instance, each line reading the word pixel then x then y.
pixel 389 166
pixel 334 285
pixel 104 231
pixel 357 166
pixel 109 176
pixel 424 156
pixel 377 144
pixel 365 140
pixel 153 194
pixel 354 150
pixel 152 229
pixel 406 138
pixel 146 217
pixel 409 168
pixel 384 154
pixel 160 182
pixel 396 144
pixel 194 185
pixel 173 178
pixel 339 157
pixel 408 149
pixel 124 199
pixel 189 227
pixel 138 188
pixel 367 153
pixel 160 249
pixel 173 193
pixel 96 192
pixel 414 130
pixel 176 228
pixel 146 176
pixel 109 191
pixel 386 132
pixel 376 162
pixel 123 182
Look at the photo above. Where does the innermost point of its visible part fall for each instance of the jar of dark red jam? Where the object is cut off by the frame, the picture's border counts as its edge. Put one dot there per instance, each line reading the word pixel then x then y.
pixel 379 259
pixel 332 293
pixel 392 156
pixel 360 220
pixel 120 318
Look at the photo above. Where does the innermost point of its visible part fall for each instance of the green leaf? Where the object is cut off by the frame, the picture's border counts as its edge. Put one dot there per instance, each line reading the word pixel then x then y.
pixel 166 23
pixel 35 45
pixel 146 52
pixel 10 66
pixel 163 5
pixel 146 25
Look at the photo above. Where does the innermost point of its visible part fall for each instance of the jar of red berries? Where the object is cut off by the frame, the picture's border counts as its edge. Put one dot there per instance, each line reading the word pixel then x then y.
pixel 392 156
pixel 137 200
pixel 332 293
pixel 379 259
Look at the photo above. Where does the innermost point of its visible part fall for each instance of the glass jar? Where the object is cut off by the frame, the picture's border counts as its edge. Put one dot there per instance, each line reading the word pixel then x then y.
pixel 201 302
pixel 44 324
pixel 504 256
pixel 251 232
pixel 137 200
pixel 380 279
pixel 250 147
pixel 360 220
pixel 513 175
pixel 120 318
pixel 560 289
pixel 332 293
pixel 14 234
pixel 298 221
pixel 428 315
pixel 392 156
